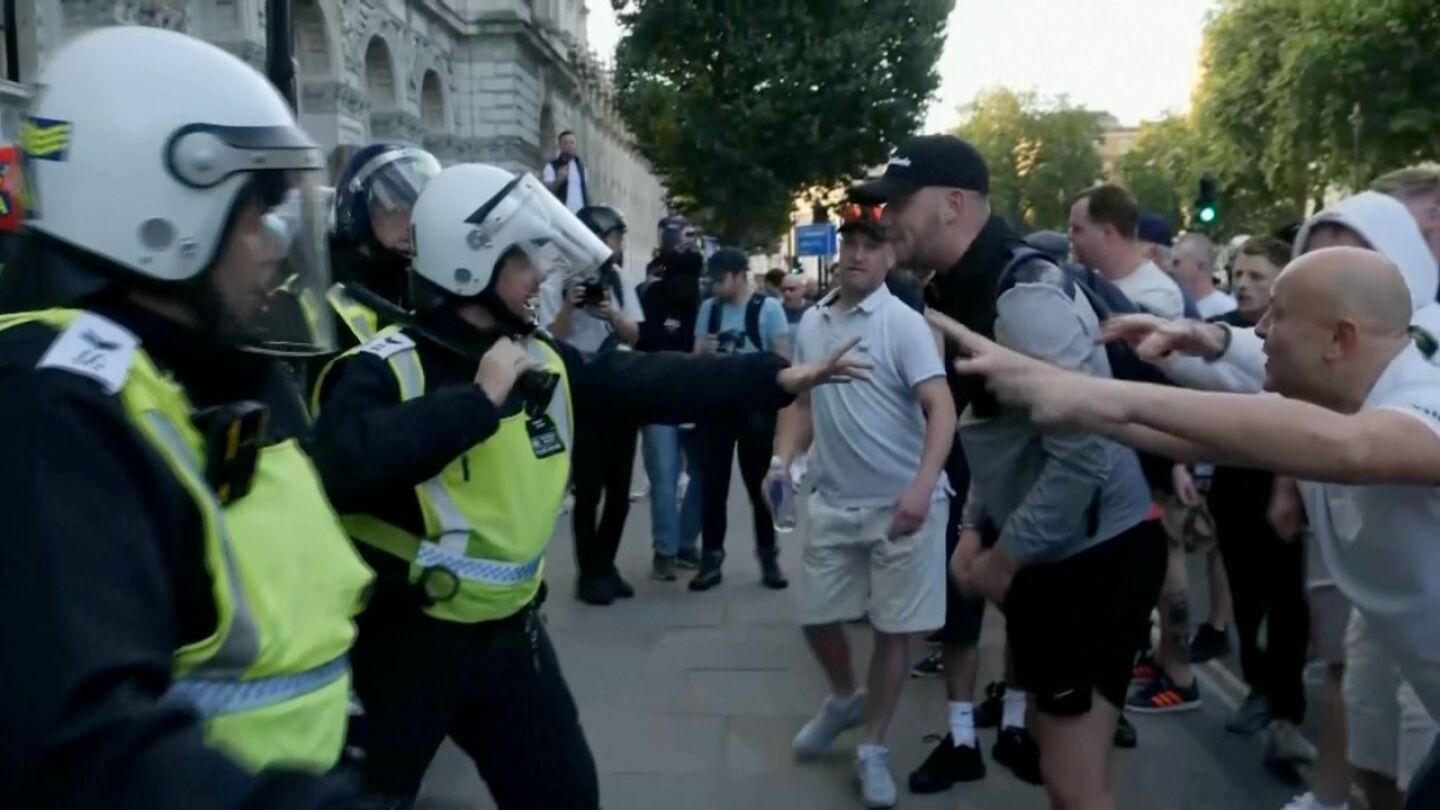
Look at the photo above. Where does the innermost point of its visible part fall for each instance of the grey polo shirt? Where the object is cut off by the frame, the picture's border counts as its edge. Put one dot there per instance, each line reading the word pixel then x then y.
pixel 869 434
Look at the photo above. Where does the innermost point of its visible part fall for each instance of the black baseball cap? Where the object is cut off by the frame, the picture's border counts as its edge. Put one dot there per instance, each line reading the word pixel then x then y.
pixel 927 160
pixel 725 261
pixel 1155 229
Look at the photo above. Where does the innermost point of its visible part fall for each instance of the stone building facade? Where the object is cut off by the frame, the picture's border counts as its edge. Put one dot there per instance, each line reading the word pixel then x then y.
pixel 490 81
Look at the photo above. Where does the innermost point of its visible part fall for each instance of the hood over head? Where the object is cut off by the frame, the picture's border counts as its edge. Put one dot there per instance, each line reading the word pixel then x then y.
pixel 1386 224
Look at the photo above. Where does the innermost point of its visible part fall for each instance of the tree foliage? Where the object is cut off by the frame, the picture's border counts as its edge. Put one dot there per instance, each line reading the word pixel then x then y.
pixel 1281 81
pixel 1038 152
pixel 741 104
pixel 1163 168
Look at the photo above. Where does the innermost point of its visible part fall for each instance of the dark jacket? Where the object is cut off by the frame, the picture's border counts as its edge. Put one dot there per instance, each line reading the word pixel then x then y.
pixel 1240 498
pixel 671 304
pixel 372 450
pixel 103 577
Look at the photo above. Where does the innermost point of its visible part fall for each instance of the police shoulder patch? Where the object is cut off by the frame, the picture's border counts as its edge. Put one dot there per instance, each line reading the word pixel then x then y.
pixel 94 347
pixel 387 345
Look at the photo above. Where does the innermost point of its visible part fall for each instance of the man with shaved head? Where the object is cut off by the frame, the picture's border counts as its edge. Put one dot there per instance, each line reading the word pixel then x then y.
pixel 1359 410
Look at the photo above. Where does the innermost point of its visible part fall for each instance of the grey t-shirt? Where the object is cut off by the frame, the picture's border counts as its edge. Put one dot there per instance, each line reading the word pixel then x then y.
pixel 869 434
pixel 1041 487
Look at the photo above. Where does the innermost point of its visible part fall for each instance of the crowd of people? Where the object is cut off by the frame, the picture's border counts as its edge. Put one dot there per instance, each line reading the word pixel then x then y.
pixel 283 537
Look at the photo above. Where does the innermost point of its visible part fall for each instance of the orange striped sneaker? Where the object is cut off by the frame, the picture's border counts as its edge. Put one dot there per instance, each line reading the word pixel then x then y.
pixel 1145 669
pixel 1162 696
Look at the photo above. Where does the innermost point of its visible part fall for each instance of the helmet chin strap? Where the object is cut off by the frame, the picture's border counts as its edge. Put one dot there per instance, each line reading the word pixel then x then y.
pixel 506 321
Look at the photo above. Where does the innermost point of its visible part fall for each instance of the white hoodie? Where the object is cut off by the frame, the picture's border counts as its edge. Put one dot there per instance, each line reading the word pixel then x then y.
pixel 1382 221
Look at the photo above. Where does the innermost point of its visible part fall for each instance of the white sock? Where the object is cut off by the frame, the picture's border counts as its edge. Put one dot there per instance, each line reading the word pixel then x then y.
pixel 844 702
pixel 868 750
pixel 962 724
pixel 1319 805
pixel 1014 714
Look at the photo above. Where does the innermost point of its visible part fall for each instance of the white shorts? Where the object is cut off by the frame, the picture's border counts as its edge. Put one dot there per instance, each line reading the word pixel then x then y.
pixel 849 567
pixel 1389 730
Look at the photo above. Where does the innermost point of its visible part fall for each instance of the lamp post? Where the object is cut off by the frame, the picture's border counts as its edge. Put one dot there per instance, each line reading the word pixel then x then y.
pixel 279 48
pixel 1357 122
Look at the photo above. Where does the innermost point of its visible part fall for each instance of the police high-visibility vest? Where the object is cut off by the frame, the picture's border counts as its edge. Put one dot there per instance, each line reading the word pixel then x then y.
pixel 360 319
pixel 489 514
pixel 272 682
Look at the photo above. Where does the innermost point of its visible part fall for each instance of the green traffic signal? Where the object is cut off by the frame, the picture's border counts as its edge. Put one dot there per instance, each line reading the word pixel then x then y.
pixel 1207 215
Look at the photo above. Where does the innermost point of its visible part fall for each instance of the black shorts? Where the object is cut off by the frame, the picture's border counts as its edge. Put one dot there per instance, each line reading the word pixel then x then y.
pixel 1074 625
pixel 963 615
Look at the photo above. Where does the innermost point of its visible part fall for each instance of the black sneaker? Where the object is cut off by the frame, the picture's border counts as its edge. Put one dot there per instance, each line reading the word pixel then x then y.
pixel 619 587
pixel 1125 735
pixel 770 574
pixel 1163 696
pixel 709 575
pixel 992 708
pixel 947 764
pixel 1016 750
pixel 595 590
pixel 931 666
pixel 1209 643
pixel 688 559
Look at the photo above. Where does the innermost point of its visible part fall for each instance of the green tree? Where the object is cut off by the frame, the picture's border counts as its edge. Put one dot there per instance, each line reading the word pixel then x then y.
pixel 1163 167
pixel 1038 152
pixel 741 104
pixel 1281 81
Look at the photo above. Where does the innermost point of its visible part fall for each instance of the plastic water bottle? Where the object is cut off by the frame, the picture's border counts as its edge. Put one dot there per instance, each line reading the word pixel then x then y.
pixel 781 497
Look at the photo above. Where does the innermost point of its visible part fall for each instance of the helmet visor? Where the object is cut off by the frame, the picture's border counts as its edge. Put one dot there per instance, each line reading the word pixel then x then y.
pixel 394 180
pixel 526 215
pixel 275 267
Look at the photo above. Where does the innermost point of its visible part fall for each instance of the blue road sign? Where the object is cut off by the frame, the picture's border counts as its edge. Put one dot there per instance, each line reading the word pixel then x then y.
pixel 815 240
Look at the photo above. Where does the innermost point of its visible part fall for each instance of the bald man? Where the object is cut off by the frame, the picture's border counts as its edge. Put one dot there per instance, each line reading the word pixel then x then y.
pixel 1359 409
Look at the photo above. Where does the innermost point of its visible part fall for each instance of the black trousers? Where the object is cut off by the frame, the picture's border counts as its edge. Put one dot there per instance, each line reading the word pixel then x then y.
pixel 1267 583
pixel 604 461
pixel 495 688
pixel 751 439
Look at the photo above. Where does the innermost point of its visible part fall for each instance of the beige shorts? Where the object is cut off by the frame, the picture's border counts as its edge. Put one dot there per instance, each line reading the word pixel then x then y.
pixel 850 568
pixel 1389 730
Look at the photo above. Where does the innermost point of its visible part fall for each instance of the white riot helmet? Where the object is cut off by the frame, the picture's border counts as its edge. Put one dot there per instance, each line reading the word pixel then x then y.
pixel 470 215
pixel 151 151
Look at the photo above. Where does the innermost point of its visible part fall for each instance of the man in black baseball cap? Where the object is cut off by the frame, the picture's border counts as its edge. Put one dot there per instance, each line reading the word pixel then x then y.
pixel 1076 564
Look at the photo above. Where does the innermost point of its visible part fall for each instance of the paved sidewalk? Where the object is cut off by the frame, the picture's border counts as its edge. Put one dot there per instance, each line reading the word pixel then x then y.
pixel 691 700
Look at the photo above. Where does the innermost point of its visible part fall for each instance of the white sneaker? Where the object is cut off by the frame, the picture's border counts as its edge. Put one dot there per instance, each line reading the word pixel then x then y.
pixel 872 769
pixel 835 716
pixel 1309 802
pixel 1287 744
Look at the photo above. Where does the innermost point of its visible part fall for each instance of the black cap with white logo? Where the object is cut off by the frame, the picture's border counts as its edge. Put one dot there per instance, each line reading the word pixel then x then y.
pixel 927 160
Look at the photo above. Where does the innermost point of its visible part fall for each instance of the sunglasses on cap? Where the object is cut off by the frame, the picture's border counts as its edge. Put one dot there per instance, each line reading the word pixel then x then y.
pixel 857 214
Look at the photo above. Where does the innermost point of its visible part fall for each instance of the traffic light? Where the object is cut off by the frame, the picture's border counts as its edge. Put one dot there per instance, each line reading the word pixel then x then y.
pixel 1207 207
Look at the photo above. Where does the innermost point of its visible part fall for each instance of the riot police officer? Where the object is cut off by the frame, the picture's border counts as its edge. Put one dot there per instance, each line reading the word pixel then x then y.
pixel 445 445
pixel 370 245
pixel 176 596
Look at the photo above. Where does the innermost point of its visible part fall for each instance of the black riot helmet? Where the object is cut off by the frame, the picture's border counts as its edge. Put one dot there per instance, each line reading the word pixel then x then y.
pixel 602 219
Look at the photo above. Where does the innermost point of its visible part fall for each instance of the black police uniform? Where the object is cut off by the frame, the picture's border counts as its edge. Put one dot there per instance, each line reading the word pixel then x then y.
pixel 103 576
pixel 494 687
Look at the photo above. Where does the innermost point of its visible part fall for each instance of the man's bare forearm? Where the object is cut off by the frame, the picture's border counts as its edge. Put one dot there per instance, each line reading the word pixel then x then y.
pixel 939 433
pixel 794 431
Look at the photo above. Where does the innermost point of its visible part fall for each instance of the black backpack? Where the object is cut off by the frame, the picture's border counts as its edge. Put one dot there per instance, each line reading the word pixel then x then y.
pixel 752 320
pixel 1108 301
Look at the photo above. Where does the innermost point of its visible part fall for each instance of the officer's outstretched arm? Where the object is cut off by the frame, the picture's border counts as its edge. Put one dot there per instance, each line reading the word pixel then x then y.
pixel 369 444
pixel 100 551
pixel 674 388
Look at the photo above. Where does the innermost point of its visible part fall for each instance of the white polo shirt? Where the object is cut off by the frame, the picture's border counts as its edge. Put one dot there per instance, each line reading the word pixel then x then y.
pixel 869 434
pixel 1382 543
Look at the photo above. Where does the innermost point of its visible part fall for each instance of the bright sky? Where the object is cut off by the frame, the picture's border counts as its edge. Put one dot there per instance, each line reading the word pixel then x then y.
pixel 1134 58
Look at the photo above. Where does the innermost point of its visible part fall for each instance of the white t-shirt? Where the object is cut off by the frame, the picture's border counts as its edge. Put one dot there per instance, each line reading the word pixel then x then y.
pixel 1382 543
pixel 869 434
pixel 574 191
pixel 587 332
pixel 1217 303
pixel 1151 289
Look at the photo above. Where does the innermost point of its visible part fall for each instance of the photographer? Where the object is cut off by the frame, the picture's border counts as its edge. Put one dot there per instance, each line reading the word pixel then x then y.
pixel 595 314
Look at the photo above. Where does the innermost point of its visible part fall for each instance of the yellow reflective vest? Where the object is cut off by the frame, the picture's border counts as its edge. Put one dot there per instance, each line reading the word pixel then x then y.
pixel 272 681
pixel 362 321
pixel 489 514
